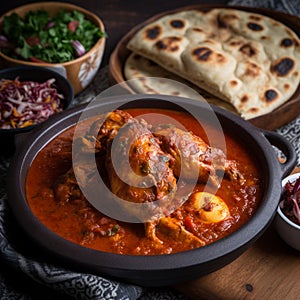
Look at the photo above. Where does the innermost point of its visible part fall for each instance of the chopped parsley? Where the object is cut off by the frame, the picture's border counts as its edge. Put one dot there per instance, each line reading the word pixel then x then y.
pixel 114 230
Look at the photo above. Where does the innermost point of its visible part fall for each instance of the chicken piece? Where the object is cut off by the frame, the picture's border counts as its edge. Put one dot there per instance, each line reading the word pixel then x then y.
pixel 141 166
pixel 173 228
pixel 66 187
pixel 103 130
pixel 138 170
pixel 100 134
pixel 194 158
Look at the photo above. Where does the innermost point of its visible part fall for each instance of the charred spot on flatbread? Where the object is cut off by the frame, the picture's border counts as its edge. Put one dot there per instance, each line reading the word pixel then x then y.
pixel 270 95
pixel 283 67
pixel 264 38
pixel 202 53
pixel 177 24
pixel 255 17
pixel 170 44
pixel 245 99
pixel 286 42
pixel 220 22
pixel 153 33
pixel 253 110
pixel 252 70
pixel 255 26
pixel 197 29
pixel 286 87
pixel 236 43
pixel 223 21
pixel 248 50
pixel 143 82
pixel 233 83
pixel 205 54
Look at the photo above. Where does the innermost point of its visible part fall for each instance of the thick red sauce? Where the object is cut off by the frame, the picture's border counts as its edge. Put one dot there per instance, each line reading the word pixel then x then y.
pixel 80 223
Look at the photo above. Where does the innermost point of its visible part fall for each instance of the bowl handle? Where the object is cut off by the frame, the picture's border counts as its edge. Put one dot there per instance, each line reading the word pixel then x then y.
pixel 286 148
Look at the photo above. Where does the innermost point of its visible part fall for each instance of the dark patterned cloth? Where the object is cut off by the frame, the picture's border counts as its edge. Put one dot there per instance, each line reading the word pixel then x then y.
pixel 25 275
pixel 289 6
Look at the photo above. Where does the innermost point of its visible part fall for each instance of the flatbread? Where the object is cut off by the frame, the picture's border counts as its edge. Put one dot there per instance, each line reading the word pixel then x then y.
pixel 146 77
pixel 246 59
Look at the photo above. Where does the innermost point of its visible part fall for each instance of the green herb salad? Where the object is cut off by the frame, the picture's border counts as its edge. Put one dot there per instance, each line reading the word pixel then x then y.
pixel 40 38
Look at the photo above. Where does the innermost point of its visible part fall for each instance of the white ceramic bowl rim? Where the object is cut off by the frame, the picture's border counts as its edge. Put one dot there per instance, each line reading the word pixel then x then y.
pixel 290 178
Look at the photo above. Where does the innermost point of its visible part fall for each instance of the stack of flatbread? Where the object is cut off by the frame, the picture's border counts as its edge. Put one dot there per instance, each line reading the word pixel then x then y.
pixel 248 61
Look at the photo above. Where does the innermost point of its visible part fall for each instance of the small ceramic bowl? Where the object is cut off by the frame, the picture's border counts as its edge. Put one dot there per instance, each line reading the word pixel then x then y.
pixel 288 230
pixel 36 74
pixel 80 71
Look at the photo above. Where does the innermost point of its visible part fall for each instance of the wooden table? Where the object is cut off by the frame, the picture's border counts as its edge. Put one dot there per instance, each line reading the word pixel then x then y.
pixel 270 269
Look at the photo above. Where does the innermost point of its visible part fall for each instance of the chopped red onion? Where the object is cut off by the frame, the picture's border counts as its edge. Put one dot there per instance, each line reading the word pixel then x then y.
pixel 27 103
pixel 78 47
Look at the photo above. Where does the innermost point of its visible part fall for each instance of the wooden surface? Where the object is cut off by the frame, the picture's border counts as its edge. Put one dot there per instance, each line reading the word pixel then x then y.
pixel 271 121
pixel 268 270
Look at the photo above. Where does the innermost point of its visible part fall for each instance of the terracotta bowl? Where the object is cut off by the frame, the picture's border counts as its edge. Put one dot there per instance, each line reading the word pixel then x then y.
pixel 81 71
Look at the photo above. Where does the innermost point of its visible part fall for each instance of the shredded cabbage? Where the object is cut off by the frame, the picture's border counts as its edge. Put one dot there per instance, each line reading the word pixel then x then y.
pixel 27 103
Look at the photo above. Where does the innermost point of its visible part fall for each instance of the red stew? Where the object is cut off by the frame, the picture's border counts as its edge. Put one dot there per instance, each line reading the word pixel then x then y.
pixel 80 223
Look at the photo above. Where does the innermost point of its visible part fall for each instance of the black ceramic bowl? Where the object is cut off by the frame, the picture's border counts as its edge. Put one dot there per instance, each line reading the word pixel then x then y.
pixel 37 74
pixel 157 270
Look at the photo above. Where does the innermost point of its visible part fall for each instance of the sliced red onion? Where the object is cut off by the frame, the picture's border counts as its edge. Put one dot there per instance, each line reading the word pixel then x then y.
pixel 3 38
pixel 7 110
pixel 4 42
pixel 78 47
pixel 27 103
pixel 296 186
pixel 296 209
pixel 50 25
pixel 290 203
